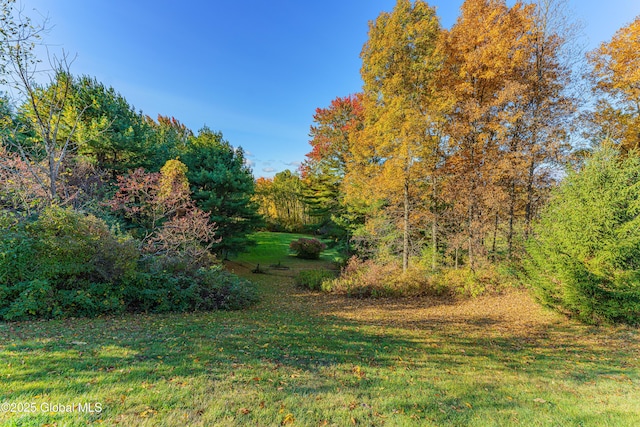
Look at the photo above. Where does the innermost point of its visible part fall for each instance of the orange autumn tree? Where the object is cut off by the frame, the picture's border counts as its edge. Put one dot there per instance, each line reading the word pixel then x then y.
pixel 615 77
pixel 397 149
pixel 485 50
pixel 323 171
pixel 508 123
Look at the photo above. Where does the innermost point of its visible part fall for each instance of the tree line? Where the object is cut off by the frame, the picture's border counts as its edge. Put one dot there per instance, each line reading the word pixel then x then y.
pixel 448 168
pixel 103 208
pixel 453 141
pixel 459 137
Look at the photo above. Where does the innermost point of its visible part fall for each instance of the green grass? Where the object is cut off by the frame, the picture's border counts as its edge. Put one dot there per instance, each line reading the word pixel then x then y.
pixel 308 359
pixel 272 248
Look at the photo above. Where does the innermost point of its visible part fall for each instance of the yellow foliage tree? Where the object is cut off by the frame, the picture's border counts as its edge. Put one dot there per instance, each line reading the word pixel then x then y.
pixel 398 146
pixel 616 79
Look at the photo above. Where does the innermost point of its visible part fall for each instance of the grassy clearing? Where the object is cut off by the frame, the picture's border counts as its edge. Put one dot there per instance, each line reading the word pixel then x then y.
pixel 272 248
pixel 302 358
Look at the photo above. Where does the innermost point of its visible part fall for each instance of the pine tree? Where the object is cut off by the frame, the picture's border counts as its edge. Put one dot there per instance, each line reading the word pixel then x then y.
pixel 222 185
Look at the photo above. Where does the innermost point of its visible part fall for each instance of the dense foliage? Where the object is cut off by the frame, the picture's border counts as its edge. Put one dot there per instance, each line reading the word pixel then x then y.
pixel 62 263
pixel 223 186
pixel 65 263
pixel 282 202
pixel 98 214
pixel 585 257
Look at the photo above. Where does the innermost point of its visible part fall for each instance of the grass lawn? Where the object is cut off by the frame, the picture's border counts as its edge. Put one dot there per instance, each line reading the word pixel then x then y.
pixel 307 359
pixel 272 248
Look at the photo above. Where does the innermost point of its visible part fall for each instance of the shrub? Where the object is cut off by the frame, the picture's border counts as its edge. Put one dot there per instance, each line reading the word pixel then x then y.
pixel 70 246
pixel 170 224
pixel 371 279
pixel 314 279
pixel 219 289
pixel 64 263
pixel 207 289
pixel 375 279
pixel 64 245
pixel 307 248
pixel 585 256
pixel 486 279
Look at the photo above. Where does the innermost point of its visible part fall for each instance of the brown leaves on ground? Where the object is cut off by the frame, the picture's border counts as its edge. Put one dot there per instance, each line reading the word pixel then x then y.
pixel 513 314
pixel 514 311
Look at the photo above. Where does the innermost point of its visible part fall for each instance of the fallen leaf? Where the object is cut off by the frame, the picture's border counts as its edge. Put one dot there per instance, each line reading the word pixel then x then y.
pixel 288 419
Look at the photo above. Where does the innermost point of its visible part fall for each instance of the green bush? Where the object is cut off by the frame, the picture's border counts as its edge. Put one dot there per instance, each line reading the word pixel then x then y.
pixel 62 263
pixel 219 289
pixel 69 245
pixel 65 263
pixel 585 257
pixel 207 289
pixel 157 292
pixel 313 279
pixel 307 248
pixel 23 300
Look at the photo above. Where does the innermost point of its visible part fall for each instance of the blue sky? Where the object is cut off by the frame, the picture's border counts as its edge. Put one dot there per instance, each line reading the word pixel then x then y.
pixel 254 69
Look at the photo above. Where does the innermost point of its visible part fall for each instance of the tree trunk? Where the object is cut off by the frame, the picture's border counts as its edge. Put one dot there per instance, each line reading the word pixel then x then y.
pixel 470 243
pixel 512 202
pixel 434 229
pixel 529 208
pixel 53 190
pixel 405 237
pixel 495 235
pixel 434 243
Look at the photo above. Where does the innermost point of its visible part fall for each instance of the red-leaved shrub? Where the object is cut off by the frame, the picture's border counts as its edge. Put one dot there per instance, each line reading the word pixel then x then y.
pixel 307 248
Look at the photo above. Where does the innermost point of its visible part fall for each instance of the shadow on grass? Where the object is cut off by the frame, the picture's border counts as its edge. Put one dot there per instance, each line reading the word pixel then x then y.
pixel 373 361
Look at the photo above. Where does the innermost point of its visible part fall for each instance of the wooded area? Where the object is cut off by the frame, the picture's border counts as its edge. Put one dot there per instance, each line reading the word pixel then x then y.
pixel 446 168
pixel 403 275
pixel 460 137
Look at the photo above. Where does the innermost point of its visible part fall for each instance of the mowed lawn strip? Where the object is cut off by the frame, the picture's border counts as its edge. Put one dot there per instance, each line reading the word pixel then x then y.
pixel 303 358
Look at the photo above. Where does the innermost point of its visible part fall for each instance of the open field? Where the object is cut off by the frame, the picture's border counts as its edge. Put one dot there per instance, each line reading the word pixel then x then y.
pixel 308 359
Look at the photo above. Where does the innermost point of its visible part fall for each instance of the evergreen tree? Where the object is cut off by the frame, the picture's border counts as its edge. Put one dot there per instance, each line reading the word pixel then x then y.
pixel 110 132
pixel 585 256
pixel 222 184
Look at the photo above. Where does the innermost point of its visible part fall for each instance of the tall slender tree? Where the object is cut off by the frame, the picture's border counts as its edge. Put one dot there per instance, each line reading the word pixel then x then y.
pixel 504 74
pixel 396 148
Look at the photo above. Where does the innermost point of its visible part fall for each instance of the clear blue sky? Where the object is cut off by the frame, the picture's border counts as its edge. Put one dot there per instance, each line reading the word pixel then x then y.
pixel 254 69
